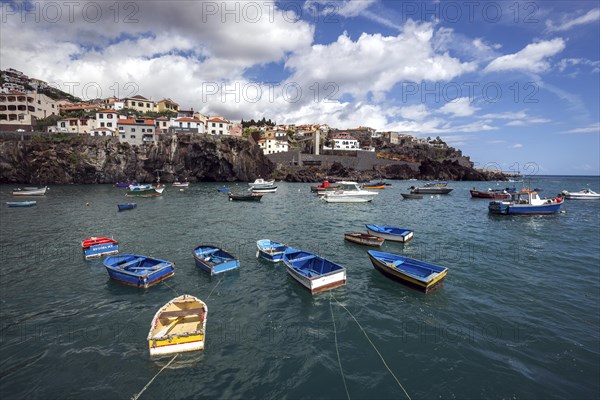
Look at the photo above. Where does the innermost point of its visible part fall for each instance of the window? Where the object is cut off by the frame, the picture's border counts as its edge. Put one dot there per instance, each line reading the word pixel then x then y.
pixel 109 116
pixel 132 136
pixel 132 129
pixel 109 124
pixel 220 125
pixel 39 102
pixel 149 130
pixel 141 104
pixel 213 132
pixel 122 136
pixel 102 124
pixel 100 115
pixel 143 130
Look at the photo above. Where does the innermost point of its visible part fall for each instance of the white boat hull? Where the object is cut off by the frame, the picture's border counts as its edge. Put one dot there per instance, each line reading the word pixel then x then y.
pixel 348 198
pixel 319 284
pixel 392 238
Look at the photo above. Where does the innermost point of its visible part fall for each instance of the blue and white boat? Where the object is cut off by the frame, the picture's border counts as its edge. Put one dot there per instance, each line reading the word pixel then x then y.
pixel 390 232
pixel 224 190
pixel 270 250
pixel 136 270
pixel 126 206
pixel 214 260
pixel 315 273
pixel 526 202
pixel 21 203
pixel 99 246
pixel 417 274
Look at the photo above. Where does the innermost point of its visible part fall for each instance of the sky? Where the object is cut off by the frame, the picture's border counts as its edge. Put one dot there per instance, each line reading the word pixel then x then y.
pixel 513 84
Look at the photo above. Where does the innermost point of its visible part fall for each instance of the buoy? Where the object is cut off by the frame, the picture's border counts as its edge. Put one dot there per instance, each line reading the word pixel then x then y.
pixel 87 204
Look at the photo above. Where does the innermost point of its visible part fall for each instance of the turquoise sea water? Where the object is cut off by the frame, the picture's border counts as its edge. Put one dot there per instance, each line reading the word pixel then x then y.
pixel 517 317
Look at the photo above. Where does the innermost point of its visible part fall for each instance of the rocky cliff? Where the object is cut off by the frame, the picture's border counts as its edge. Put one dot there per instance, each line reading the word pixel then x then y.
pixel 60 159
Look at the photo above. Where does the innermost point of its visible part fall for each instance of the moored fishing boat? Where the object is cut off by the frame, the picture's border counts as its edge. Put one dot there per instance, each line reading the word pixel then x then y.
pixel 315 273
pixel 390 232
pixel 30 191
pixel 432 188
pixel 126 206
pixel 245 197
pixel 261 183
pixel 145 190
pixel 137 270
pixel 266 189
pixel 583 194
pixel 526 202
pixel 270 250
pixel 178 326
pixel 411 196
pixel 364 238
pixel 99 246
pixel 417 274
pixel 214 260
pixel 349 192
pixel 323 187
pixel 374 186
pixel 492 193
pixel 182 185
pixel 21 203
pixel 224 190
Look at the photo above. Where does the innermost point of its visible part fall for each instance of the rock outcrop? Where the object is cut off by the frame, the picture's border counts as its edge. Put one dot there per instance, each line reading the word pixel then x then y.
pixel 60 159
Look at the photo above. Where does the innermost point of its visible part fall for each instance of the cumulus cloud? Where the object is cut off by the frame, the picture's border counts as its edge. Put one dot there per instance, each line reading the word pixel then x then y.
pixel 532 58
pixel 460 107
pixel 592 128
pixel 570 21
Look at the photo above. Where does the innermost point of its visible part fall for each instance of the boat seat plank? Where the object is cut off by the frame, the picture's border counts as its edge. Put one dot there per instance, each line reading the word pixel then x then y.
pixel 130 263
pixel 182 313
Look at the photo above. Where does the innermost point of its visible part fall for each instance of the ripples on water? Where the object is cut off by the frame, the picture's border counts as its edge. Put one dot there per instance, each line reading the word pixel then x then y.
pixel 516 317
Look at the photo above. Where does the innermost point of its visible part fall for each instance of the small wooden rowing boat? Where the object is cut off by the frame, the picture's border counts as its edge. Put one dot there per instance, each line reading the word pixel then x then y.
pixel 417 274
pixel 214 260
pixel 390 232
pixel 224 190
pixel 245 197
pixel 126 206
pixel 182 185
pixel 375 186
pixel 315 273
pixel 136 270
pixel 270 250
pixel 364 238
pixel 269 189
pixel 99 246
pixel 145 190
pixel 30 191
pixel 178 326
pixel 411 196
pixel 21 203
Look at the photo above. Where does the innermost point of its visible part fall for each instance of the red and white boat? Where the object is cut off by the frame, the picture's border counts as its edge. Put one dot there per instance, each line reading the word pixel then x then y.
pixel 99 246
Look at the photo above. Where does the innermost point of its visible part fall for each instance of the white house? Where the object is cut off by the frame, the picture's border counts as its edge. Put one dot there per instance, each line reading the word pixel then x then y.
pixel 272 145
pixel 344 141
pixel 186 124
pixel 107 119
pixel 217 126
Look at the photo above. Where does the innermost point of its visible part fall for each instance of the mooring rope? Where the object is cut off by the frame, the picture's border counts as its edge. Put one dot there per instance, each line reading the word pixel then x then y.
pixel 336 347
pixel 170 287
pixel 137 396
pixel 367 336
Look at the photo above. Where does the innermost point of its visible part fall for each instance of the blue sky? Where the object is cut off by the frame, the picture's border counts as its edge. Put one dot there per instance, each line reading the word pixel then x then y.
pixel 509 83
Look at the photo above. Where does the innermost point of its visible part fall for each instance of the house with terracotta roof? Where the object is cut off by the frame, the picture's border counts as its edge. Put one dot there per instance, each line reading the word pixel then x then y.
pixel 186 125
pixel 136 131
pixel 344 141
pixel 272 145
pixel 162 125
pixel 75 125
pixel 217 126
pixel 167 105
pixel 139 103
pixel 107 119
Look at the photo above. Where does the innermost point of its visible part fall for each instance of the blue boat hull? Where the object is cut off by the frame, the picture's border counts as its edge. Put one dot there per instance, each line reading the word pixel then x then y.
pixel 100 250
pixel 390 233
pixel 138 271
pixel 214 260
pixel 128 206
pixel 513 209
pixel 271 251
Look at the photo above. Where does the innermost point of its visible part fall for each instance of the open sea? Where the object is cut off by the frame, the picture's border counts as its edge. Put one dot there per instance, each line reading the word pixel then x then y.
pixel 518 316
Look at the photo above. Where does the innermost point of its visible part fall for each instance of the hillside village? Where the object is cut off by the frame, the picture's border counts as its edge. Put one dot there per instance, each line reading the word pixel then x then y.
pixel 29 104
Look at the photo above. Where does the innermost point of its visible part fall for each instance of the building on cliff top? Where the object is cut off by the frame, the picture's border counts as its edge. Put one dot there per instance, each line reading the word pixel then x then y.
pixel 19 110
pixel 137 131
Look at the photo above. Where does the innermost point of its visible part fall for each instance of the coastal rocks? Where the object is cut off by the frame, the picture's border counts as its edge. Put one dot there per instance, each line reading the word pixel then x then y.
pixel 77 159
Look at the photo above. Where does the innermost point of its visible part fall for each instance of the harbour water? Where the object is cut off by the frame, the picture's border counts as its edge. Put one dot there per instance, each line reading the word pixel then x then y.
pixel 517 317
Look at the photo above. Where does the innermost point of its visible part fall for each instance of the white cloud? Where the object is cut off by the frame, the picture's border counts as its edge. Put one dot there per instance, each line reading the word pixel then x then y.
pixel 570 22
pixel 505 115
pixel 532 58
pixel 331 9
pixel 592 128
pixel 416 112
pixel 529 121
pixel 565 63
pixel 517 146
pixel 460 107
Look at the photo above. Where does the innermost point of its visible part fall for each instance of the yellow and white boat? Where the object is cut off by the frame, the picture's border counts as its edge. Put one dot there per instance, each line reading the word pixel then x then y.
pixel 178 326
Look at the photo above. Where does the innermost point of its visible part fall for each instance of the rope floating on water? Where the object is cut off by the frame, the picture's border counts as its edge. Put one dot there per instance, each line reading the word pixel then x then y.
pixel 137 396
pixel 213 289
pixel 367 336
pixel 336 347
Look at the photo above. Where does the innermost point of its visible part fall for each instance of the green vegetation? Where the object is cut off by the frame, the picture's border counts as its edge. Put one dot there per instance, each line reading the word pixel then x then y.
pixel 262 122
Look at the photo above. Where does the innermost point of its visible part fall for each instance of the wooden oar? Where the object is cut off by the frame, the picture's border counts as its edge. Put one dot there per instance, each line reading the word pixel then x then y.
pixel 168 328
